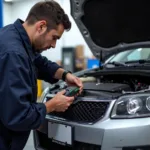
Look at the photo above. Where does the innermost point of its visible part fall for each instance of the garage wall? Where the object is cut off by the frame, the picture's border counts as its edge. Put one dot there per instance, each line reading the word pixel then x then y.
pixel 20 10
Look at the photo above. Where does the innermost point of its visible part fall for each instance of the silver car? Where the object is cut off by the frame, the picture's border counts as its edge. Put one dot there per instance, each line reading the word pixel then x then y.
pixel 113 111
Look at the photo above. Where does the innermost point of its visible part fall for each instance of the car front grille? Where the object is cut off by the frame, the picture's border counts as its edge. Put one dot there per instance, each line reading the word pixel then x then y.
pixel 84 111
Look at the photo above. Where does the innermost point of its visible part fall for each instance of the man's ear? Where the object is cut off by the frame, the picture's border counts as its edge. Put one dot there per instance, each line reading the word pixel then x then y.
pixel 41 26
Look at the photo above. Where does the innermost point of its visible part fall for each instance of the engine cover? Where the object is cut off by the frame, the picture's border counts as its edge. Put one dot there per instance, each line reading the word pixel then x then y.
pixel 107 87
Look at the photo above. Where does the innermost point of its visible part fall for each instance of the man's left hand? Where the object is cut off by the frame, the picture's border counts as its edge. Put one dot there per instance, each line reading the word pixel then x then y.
pixel 72 80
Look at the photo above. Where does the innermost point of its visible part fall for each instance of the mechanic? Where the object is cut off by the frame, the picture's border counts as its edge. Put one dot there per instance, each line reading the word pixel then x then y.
pixel 21 64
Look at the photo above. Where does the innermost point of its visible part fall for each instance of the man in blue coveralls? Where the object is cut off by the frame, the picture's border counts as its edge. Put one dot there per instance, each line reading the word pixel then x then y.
pixel 21 64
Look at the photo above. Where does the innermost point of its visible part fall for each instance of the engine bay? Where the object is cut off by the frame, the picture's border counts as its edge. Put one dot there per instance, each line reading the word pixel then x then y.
pixel 108 85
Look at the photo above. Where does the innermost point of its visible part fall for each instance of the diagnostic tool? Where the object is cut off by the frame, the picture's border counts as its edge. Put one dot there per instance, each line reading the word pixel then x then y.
pixel 72 91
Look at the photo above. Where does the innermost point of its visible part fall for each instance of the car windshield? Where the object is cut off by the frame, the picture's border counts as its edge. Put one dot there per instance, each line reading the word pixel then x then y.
pixel 131 55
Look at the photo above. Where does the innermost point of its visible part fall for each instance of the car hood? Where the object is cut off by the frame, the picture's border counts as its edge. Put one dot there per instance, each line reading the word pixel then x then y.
pixel 112 26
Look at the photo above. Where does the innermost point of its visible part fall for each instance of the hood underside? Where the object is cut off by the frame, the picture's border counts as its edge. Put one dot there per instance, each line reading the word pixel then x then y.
pixel 112 26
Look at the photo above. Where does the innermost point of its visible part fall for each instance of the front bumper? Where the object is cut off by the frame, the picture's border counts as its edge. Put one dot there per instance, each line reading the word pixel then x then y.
pixel 106 134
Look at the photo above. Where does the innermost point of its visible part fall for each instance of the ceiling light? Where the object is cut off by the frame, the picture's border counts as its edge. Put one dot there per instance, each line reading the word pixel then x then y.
pixel 8 0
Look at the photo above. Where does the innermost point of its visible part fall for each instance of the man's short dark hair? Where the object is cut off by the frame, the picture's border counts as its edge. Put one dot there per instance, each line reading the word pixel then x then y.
pixel 50 11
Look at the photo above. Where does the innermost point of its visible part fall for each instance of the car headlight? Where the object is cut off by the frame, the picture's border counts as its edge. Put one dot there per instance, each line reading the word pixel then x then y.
pixel 132 106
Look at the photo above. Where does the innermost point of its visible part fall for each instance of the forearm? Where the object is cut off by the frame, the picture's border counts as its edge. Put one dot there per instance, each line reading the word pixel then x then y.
pixel 46 69
pixel 59 73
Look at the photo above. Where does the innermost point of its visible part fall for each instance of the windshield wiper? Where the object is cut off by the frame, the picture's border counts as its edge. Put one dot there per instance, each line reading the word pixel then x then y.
pixel 128 63
pixel 141 61
pixel 115 63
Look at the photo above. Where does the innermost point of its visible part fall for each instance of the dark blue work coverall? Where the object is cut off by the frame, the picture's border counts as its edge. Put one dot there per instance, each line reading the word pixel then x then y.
pixel 20 67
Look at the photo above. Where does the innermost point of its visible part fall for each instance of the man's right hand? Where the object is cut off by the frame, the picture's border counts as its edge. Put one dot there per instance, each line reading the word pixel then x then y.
pixel 59 103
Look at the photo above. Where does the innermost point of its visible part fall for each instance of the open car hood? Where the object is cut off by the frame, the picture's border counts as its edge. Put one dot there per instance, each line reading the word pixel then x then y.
pixel 112 26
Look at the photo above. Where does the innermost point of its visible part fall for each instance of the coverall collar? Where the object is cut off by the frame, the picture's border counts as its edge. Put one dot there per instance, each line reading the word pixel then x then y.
pixel 25 38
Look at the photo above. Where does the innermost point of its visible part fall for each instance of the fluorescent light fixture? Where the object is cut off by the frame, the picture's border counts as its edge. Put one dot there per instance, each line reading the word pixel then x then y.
pixel 8 0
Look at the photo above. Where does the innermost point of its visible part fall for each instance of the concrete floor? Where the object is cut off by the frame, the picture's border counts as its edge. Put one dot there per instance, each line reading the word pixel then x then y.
pixel 29 145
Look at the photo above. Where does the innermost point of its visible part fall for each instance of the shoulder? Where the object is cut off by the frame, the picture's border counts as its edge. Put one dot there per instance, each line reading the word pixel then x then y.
pixel 10 41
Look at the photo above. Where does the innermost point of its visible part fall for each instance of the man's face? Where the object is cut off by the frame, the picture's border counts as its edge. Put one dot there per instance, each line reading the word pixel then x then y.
pixel 44 39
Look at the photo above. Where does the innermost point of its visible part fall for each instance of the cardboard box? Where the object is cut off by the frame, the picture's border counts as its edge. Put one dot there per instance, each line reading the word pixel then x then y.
pixel 79 52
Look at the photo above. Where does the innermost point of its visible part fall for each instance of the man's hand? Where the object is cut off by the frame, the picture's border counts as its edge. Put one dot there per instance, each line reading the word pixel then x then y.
pixel 72 80
pixel 59 103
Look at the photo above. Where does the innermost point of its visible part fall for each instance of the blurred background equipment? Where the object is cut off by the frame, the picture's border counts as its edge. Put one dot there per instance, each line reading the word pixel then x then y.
pixel 80 58
pixel 92 63
pixel 68 58
pixel 73 58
